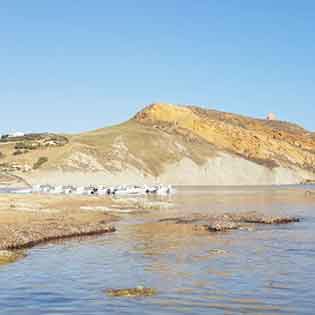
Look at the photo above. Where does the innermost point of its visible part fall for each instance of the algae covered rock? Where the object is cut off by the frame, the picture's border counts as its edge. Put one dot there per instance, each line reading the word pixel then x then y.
pixel 131 292
pixel 258 218
pixel 7 257
pixel 229 221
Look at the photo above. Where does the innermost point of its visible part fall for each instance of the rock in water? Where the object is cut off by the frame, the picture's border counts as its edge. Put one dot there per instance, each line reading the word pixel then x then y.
pixel 255 217
pixel 7 256
pixel 132 292
pixel 222 226
pixel 229 221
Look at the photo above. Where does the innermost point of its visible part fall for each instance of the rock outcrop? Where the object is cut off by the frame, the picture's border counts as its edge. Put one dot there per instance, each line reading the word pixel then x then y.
pixel 229 221
pixel 132 292
pixel 267 142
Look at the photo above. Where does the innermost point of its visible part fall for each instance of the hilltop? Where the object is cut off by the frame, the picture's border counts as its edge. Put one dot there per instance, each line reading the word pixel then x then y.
pixel 169 143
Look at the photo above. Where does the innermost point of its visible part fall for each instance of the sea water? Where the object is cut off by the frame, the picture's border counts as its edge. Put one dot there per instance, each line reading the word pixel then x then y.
pixel 264 270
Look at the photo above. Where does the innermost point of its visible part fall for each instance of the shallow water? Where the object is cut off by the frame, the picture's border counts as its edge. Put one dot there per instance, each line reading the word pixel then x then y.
pixel 270 270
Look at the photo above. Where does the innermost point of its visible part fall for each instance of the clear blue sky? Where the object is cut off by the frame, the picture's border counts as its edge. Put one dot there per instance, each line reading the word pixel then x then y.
pixel 79 65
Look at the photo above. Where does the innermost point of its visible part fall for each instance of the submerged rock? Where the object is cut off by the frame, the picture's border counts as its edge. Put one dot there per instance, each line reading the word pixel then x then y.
pixel 132 292
pixel 7 257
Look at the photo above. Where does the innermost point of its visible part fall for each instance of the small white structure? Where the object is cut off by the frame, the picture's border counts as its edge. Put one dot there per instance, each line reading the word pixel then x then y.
pixel 271 116
pixel 16 134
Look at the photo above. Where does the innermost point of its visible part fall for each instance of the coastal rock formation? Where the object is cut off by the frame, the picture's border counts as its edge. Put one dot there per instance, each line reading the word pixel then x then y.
pixel 229 221
pixel 267 142
pixel 258 218
pixel 29 220
pixel 35 235
pixel 174 144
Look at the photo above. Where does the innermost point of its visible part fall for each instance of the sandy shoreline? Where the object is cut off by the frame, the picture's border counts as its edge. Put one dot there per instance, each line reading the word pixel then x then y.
pixel 31 219
pixel 28 220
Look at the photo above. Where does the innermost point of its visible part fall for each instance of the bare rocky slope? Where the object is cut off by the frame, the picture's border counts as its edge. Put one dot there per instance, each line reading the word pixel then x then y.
pixel 166 143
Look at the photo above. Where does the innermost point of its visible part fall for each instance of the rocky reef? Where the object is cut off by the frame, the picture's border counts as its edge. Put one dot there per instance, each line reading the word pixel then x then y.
pixel 229 221
pixel 29 220
pixel 32 236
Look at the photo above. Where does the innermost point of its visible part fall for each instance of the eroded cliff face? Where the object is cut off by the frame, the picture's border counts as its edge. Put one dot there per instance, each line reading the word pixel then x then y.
pixel 268 143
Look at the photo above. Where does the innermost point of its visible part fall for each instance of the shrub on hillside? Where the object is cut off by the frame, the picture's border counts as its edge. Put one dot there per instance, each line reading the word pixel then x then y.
pixel 18 152
pixel 42 160
pixel 26 145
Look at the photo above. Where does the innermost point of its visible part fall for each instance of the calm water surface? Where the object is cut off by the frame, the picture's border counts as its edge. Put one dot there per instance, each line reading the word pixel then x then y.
pixel 270 270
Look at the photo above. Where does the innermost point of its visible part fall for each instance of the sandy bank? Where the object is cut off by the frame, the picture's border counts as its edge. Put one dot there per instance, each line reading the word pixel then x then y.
pixel 28 220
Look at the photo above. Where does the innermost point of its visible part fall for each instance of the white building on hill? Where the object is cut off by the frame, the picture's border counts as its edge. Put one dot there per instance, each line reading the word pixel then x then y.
pixel 16 134
pixel 271 116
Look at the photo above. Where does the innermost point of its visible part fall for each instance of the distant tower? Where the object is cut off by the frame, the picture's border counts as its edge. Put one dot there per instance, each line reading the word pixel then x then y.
pixel 271 116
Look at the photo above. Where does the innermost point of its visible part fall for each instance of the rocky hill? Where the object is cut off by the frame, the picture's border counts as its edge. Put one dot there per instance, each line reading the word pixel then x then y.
pixel 173 144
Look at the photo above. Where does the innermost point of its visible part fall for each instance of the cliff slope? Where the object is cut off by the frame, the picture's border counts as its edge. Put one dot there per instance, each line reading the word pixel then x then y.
pixel 174 144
